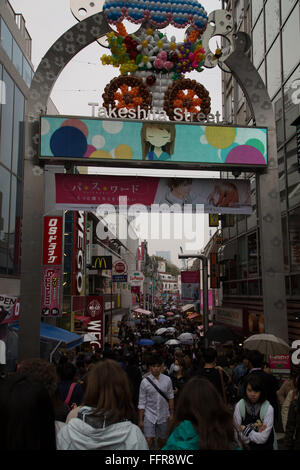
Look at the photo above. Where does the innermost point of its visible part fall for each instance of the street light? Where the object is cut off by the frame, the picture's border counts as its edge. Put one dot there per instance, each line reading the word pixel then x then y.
pixel 205 290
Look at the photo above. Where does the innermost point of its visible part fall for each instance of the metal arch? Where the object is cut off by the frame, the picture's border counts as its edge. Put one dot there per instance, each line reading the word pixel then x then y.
pixel 49 69
pixel 269 210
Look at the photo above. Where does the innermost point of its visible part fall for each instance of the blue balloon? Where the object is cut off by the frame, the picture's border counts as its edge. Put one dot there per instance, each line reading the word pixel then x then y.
pixel 68 141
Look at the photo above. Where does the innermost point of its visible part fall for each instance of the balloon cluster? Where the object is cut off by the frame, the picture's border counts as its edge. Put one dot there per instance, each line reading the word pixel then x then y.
pixel 158 13
pixel 152 51
pixel 126 92
pixel 188 96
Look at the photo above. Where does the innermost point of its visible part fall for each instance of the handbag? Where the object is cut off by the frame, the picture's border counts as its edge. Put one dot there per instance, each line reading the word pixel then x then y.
pixel 158 389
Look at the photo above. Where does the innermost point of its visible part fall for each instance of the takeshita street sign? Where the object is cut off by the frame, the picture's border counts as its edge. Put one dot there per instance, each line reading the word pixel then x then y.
pixel 138 143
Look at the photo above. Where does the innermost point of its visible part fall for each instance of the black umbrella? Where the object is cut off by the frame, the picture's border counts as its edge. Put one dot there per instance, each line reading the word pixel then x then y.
pixel 220 334
pixel 158 339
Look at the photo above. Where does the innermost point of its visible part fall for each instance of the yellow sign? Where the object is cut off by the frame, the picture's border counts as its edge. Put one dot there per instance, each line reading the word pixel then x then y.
pixel 102 262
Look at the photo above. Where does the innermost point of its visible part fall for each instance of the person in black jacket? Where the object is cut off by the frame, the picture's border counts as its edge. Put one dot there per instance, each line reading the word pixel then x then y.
pixel 256 361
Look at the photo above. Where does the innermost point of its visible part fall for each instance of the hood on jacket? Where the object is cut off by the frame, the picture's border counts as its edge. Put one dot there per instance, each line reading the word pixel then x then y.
pixel 79 435
pixel 184 437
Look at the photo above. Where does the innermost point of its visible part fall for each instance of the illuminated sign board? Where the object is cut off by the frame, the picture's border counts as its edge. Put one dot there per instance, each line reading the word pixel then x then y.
pixel 152 143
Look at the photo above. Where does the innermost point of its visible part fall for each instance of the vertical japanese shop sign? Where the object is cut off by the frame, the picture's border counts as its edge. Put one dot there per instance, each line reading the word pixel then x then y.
pixel 95 310
pixel 214 272
pixel 52 267
pixel 78 274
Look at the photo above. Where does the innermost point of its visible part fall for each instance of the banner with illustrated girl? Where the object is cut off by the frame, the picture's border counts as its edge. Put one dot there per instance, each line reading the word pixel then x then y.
pixel 152 143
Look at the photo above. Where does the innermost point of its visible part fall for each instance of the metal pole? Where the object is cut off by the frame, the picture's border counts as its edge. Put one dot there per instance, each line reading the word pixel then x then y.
pixel 111 315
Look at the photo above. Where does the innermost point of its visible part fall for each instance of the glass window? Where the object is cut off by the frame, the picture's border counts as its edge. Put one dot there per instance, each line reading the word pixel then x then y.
pixel 262 71
pixel 285 245
pixel 295 285
pixel 293 173
pixel 241 258
pixel 278 109
pixel 252 256
pixel 17 163
pixel 4 217
pixel 282 183
pixel 17 57
pixel 14 239
pixel 286 6
pixel 274 68
pixel 7 122
pixel 253 287
pixel 27 72
pixel 294 239
pixel 292 102
pixel 272 16
pixel 258 41
pixel 256 9
pixel 6 39
pixel 290 31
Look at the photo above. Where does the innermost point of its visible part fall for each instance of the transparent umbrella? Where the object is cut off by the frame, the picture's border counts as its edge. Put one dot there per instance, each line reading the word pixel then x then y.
pixel 186 338
pixel 172 342
pixel 267 344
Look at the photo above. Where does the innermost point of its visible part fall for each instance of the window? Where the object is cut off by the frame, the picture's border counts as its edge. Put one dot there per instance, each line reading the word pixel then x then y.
pixel 252 256
pixel 286 6
pixel 272 15
pixel 17 163
pixel 256 9
pixel 258 41
pixel 6 39
pixel 289 32
pixel 7 122
pixel 274 68
pixel 17 57
pixel 292 173
pixel 294 239
pixel 291 109
pixel 4 217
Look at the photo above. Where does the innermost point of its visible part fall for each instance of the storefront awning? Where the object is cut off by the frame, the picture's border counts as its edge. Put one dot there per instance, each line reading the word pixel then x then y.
pixel 53 333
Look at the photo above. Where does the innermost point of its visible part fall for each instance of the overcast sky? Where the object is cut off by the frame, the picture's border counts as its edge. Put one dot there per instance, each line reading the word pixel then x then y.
pixel 84 80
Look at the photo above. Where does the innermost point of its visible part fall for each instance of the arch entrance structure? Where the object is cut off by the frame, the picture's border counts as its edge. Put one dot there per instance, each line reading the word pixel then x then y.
pixel 233 59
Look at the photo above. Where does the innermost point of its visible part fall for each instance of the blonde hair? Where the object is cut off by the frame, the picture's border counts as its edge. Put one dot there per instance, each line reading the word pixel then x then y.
pixel 146 146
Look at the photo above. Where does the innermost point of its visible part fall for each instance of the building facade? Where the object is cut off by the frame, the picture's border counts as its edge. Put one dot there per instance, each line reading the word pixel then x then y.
pixel 273 26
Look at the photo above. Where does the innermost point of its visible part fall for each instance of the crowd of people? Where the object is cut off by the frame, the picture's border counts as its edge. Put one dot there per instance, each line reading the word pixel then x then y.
pixel 132 397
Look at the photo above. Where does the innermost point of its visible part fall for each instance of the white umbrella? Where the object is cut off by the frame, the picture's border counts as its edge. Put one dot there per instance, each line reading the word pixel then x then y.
pixel 160 331
pixel 186 338
pixel 172 342
pixel 161 316
pixel 171 329
pixel 267 344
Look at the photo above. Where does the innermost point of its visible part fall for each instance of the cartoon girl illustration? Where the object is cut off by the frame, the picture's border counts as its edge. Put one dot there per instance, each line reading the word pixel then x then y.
pixel 158 141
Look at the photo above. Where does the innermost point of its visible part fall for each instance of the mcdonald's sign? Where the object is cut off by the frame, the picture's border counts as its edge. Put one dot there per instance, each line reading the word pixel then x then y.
pixel 101 262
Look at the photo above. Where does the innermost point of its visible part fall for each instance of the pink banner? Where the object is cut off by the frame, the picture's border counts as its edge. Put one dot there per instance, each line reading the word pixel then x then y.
pixel 87 192
pixel 51 291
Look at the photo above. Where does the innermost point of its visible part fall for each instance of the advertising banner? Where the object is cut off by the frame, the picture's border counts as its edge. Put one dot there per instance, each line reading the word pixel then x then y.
pixel 53 237
pixel 190 288
pixel 51 291
pixel 76 192
pixel 280 364
pixel 78 262
pixel 152 143
pixel 9 308
pixel 95 310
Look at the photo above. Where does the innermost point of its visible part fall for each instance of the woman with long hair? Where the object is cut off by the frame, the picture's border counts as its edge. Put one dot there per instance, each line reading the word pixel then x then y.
pixel 104 420
pixel 202 420
pixel 26 415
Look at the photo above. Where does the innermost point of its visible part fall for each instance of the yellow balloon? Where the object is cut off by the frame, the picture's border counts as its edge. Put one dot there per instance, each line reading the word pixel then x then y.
pixel 123 151
pixel 220 137
pixel 100 154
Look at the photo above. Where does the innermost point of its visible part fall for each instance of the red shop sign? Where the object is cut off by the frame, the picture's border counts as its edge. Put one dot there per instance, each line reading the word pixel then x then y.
pixel 52 252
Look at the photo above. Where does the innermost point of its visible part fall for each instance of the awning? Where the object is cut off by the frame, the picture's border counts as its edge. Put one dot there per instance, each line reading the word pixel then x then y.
pixel 187 307
pixel 142 311
pixel 53 333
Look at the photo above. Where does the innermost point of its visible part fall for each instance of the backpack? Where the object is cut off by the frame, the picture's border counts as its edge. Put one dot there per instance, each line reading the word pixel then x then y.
pixel 262 413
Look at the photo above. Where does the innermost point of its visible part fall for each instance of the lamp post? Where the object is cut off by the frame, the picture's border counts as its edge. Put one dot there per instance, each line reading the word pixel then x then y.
pixel 203 259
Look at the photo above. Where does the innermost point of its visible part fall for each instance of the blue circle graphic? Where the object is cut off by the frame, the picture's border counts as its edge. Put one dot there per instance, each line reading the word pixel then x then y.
pixel 68 142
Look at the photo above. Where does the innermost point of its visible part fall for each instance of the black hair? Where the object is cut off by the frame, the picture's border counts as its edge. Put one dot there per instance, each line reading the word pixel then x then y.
pixel 66 371
pixel 26 415
pixel 155 359
pixel 257 384
pixel 209 355
pixel 256 358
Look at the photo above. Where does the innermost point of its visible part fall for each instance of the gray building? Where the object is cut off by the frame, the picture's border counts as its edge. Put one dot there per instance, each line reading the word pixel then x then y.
pixel 273 26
